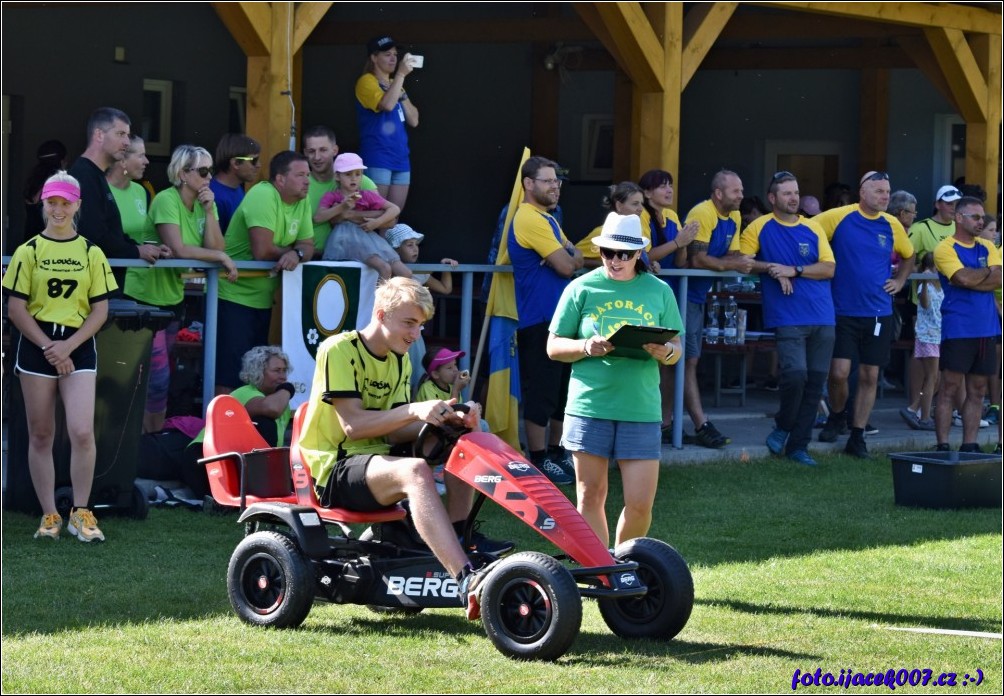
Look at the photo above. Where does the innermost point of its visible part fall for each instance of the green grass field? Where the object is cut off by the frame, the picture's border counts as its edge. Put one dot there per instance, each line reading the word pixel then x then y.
pixel 794 569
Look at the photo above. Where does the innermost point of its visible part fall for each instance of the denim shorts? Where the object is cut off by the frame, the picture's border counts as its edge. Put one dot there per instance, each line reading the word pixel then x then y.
pixel 616 440
pixel 386 177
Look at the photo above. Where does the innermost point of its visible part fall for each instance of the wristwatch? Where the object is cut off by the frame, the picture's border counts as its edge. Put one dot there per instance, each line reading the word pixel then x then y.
pixel 299 253
pixel 798 271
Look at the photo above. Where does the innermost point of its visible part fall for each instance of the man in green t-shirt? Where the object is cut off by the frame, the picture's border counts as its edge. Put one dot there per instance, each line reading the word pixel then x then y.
pixel 272 223
pixel 320 149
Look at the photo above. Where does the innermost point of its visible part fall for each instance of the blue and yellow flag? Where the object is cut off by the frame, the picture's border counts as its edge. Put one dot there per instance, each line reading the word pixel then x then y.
pixel 502 407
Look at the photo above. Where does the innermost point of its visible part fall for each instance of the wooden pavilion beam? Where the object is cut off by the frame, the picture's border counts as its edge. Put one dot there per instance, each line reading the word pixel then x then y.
pixel 919 14
pixel 248 23
pixel 639 47
pixel 958 64
pixel 701 28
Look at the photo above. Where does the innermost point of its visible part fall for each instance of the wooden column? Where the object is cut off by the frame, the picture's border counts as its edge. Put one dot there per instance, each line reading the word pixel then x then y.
pixel 874 120
pixel 983 137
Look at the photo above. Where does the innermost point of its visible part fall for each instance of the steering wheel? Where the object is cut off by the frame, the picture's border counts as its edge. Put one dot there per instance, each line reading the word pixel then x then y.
pixel 434 442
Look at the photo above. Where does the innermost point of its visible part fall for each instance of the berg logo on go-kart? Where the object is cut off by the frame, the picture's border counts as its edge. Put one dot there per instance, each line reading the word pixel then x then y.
pixel 520 468
pixel 487 478
pixel 422 586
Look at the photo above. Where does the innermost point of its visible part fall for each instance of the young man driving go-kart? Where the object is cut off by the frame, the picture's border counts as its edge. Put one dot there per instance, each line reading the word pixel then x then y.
pixel 359 409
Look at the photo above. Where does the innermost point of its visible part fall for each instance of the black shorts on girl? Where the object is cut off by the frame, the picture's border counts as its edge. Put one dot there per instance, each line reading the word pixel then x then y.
pixel 30 359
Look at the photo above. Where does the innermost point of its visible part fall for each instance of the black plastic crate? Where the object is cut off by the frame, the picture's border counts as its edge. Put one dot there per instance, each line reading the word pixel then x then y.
pixel 946 479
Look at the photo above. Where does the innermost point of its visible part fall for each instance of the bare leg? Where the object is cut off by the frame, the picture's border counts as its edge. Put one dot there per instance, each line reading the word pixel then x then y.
pixel 917 371
pixel 397 194
pixel 379 265
pixel 40 408
pixel 840 369
pixel 391 479
pixel 928 386
pixel 554 431
pixel 78 389
pixel 591 473
pixel 667 382
pixel 864 400
pixel 399 269
pixel 640 478
pixel 536 436
pixel 692 393
pixel 972 411
pixel 947 393
pixel 459 498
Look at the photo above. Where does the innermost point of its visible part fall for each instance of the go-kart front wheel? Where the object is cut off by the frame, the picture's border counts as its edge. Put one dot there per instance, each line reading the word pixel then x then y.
pixel 530 607
pixel 269 581
pixel 663 611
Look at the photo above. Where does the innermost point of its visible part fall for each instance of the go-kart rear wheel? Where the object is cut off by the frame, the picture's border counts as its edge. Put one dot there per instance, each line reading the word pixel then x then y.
pixel 269 581
pixel 663 611
pixel 530 607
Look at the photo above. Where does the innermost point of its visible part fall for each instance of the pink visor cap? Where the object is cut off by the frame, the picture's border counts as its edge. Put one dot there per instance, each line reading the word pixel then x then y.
pixel 444 356
pixel 63 189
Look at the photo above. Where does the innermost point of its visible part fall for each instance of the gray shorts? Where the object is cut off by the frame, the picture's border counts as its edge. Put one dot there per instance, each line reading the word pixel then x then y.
pixel 695 330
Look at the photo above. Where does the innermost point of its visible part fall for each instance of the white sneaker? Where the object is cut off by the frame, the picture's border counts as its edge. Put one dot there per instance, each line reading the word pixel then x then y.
pixel 957 420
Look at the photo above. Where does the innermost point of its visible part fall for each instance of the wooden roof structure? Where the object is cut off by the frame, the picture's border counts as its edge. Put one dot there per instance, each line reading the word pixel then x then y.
pixel 658 47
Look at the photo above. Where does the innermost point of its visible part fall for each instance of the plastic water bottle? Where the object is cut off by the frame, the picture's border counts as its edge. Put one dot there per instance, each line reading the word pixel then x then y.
pixel 713 335
pixel 731 323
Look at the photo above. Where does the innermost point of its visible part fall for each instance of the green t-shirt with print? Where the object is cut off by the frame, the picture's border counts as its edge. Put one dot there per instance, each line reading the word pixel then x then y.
pixel 289 223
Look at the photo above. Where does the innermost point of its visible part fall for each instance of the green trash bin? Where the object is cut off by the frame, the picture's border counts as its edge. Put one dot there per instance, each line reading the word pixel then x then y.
pixel 123 347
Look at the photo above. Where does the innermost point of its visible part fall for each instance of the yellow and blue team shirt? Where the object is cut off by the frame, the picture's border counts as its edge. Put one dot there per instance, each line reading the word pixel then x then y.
pixel 801 243
pixel 59 279
pixel 966 313
pixel 533 236
pixel 863 246
pixel 721 234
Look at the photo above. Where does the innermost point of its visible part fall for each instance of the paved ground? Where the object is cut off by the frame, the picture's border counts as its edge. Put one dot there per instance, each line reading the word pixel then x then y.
pixel 748 427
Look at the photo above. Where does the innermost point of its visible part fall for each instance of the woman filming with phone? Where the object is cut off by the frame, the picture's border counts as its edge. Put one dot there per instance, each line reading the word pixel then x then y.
pixel 614 408
pixel 382 111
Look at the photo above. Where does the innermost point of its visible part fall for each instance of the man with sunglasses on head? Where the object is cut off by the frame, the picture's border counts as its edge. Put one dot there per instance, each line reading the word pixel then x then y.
pixel 320 148
pixel 970 271
pixel 237 163
pixel 795 264
pixel 863 237
pixel 543 262
pixel 272 223
pixel 100 220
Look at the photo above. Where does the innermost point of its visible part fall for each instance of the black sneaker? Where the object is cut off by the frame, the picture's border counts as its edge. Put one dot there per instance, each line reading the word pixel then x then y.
pixel 970 447
pixel 708 436
pixel 479 542
pixel 857 447
pixel 563 458
pixel 871 430
pixel 942 447
pixel 771 385
pixel 836 425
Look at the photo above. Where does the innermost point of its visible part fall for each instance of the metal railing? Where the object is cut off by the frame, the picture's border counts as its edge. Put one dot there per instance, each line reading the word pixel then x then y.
pixel 466 272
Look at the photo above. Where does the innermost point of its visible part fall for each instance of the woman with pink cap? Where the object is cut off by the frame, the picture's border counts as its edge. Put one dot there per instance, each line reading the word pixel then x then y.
pixel 58 286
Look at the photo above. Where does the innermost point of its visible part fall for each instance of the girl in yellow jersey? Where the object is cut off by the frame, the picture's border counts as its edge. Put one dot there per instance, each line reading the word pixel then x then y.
pixel 58 285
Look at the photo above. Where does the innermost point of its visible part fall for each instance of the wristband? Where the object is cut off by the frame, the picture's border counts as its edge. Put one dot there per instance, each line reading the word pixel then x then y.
pixel 585 347
pixel 288 387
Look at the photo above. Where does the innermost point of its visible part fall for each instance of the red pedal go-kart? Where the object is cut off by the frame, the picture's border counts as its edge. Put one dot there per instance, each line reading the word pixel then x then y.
pixel 296 551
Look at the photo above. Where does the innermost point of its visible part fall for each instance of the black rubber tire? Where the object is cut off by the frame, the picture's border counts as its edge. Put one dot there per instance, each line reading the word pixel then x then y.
pixel 664 610
pixel 64 501
pixel 269 581
pixel 530 607
pixel 139 507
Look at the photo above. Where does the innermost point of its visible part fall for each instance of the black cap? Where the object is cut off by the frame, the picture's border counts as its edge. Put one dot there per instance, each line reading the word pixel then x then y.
pixel 379 44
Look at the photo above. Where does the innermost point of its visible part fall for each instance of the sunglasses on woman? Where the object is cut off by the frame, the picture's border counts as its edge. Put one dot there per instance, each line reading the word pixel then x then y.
pixel 204 172
pixel 611 254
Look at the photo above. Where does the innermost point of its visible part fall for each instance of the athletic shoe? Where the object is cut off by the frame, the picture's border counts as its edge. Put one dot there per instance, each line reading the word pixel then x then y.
pixel 470 589
pixel 802 457
pixel 836 425
pixel 911 417
pixel 856 447
pixel 50 526
pixel 871 430
pixel 83 525
pixel 667 434
pixel 771 384
pixel 563 458
pixel 479 542
pixel 554 472
pixel 925 424
pixel 957 420
pixel 776 440
pixel 970 447
pixel 992 415
pixel 997 450
pixel 942 447
pixel 708 436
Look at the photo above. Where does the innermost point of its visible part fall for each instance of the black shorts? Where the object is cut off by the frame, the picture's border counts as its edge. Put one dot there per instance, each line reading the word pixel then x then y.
pixel 856 339
pixel 970 356
pixel 544 382
pixel 238 329
pixel 30 359
pixel 347 486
